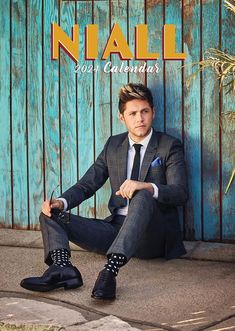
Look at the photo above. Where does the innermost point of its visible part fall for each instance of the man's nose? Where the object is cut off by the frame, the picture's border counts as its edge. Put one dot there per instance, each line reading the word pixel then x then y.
pixel 140 117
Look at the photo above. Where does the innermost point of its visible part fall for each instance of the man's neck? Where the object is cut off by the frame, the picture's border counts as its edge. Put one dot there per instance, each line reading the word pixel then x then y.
pixel 136 140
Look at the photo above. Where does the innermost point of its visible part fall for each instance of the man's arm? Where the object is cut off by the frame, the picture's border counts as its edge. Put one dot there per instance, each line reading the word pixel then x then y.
pixel 92 180
pixel 129 187
pixel 175 191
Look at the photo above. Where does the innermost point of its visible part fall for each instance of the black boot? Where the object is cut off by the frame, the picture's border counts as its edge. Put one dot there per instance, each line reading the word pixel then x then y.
pixel 105 286
pixel 54 277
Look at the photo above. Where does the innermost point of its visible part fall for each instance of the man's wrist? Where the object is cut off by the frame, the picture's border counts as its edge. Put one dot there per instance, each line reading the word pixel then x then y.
pixel 149 187
pixel 155 190
pixel 64 202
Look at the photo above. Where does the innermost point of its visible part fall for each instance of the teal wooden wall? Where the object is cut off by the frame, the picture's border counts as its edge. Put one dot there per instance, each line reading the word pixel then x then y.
pixel 55 122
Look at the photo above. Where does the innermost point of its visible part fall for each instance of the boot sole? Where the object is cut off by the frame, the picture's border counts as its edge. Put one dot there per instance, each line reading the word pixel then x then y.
pixel 67 285
pixel 103 297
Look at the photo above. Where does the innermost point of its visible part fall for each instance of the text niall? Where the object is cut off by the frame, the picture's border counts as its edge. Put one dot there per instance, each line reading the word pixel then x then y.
pixel 116 43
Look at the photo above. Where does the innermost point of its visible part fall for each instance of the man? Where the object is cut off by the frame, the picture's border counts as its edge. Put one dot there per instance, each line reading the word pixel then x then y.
pixel 147 175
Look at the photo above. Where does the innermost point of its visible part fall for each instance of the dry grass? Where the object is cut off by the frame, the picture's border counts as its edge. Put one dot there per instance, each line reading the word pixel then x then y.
pixel 223 65
pixel 229 5
pixel 230 115
pixel 226 118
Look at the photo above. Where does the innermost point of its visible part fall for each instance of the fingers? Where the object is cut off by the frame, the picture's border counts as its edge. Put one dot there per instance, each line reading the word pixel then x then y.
pixel 124 194
pixel 46 206
pixel 127 189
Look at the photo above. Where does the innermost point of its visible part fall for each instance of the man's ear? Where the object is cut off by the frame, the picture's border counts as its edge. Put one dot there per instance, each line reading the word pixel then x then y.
pixel 121 118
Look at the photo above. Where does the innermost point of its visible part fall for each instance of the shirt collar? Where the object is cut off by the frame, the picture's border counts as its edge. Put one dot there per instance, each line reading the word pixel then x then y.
pixel 143 142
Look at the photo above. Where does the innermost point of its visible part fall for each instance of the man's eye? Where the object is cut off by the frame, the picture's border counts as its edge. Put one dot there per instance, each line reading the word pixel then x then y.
pixel 132 114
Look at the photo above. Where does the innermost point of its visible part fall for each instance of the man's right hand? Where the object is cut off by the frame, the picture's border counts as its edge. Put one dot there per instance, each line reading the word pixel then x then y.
pixel 46 206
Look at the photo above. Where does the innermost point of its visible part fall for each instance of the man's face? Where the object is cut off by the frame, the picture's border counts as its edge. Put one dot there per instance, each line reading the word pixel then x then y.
pixel 137 117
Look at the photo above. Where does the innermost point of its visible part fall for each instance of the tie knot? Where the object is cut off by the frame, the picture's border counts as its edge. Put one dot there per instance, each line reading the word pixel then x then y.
pixel 137 147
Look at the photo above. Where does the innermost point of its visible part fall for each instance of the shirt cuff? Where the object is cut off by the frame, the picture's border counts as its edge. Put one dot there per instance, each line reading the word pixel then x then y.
pixel 65 203
pixel 155 191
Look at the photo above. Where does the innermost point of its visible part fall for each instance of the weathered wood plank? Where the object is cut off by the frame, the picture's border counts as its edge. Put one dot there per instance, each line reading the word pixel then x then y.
pixel 19 143
pixel 85 106
pixel 51 103
pixel 210 127
pixel 118 14
pixel 192 118
pixel 136 16
pixel 5 138
pixel 155 81
pixel 173 81
pixel 228 135
pixel 102 99
pixel 34 106
pixel 68 103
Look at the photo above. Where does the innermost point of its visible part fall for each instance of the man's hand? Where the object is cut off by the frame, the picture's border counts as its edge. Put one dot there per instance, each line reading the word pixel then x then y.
pixel 46 206
pixel 128 188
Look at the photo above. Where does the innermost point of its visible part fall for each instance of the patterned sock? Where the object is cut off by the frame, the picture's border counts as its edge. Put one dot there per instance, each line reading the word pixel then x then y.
pixel 60 257
pixel 115 261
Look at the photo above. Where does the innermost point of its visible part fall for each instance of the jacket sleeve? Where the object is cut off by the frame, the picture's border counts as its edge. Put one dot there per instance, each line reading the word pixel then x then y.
pixel 92 180
pixel 175 192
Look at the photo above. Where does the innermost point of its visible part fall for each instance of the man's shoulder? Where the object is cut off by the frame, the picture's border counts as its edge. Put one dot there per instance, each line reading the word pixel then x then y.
pixel 118 138
pixel 165 138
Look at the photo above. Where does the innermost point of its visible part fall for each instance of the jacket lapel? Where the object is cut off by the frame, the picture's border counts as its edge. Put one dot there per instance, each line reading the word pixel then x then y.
pixel 149 155
pixel 122 155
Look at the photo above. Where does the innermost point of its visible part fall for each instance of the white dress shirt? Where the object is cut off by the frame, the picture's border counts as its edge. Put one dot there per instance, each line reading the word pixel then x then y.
pixel 130 161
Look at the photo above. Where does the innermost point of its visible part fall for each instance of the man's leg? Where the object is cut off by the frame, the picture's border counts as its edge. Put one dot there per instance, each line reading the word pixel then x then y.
pixel 88 233
pixel 143 215
pixel 142 210
pixel 91 234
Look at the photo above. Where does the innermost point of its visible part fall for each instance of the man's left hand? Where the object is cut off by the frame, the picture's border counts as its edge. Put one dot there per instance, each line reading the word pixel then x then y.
pixel 129 187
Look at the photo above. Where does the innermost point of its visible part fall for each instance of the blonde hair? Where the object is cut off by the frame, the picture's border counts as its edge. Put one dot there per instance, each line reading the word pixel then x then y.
pixel 133 91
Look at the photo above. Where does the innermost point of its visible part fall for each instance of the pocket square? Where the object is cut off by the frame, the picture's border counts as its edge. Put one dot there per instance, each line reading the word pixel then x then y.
pixel 156 162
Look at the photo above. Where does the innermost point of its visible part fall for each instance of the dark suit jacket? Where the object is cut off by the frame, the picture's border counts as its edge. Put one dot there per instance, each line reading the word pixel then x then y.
pixel 170 178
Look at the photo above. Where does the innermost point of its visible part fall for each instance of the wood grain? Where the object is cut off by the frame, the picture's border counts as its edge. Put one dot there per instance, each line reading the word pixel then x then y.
pixel 102 100
pixel 85 107
pixel 51 103
pixel 173 81
pixel 192 118
pixel 68 111
pixel 154 19
pixel 34 108
pixel 5 138
pixel 118 14
pixel 19 134
pixel 136 16
pixel 228 136
pixel 210 127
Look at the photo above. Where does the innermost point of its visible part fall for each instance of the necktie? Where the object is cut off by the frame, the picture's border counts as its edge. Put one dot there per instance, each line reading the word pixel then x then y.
pixel 136 165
